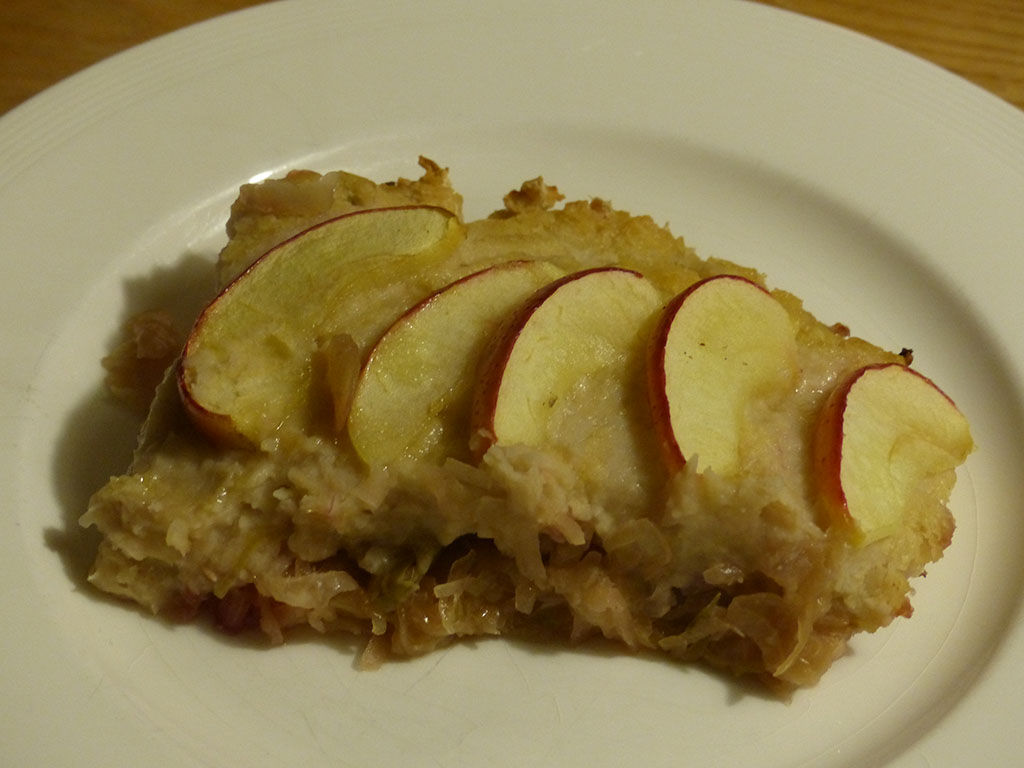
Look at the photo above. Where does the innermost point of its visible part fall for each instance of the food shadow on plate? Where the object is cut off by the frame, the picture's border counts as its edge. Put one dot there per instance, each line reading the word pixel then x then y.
pixel 350 647
pixel 736 689
pixel 99 434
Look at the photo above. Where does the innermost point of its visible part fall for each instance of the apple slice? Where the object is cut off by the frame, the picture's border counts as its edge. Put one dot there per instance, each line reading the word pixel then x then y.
pixel 569 329
pixel 246 366
pixel 414 393
pixel 720 345
pixel 886 436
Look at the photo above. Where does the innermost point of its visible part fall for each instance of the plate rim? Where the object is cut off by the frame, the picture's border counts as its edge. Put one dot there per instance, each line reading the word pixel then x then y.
pixel 1001 124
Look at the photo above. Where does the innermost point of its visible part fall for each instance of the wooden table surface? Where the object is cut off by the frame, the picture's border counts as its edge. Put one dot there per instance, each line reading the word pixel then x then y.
pixel 43 41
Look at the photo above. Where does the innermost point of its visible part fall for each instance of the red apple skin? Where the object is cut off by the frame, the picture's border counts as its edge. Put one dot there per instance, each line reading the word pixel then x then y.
pixel 671 453
pixel 218 427
pixel 431 298
pixel 496 359
pixel 485 367
pixel 827 450
pixel 656 384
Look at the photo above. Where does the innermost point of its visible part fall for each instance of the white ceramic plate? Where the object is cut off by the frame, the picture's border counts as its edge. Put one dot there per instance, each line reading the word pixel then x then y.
pixel 883 190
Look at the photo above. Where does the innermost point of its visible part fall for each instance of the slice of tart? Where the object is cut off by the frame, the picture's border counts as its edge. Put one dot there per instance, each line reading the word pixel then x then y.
pixel 557 420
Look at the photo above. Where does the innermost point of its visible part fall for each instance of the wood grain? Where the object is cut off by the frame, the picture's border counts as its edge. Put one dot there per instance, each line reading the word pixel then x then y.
pixel 980 40
pixel 44 41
